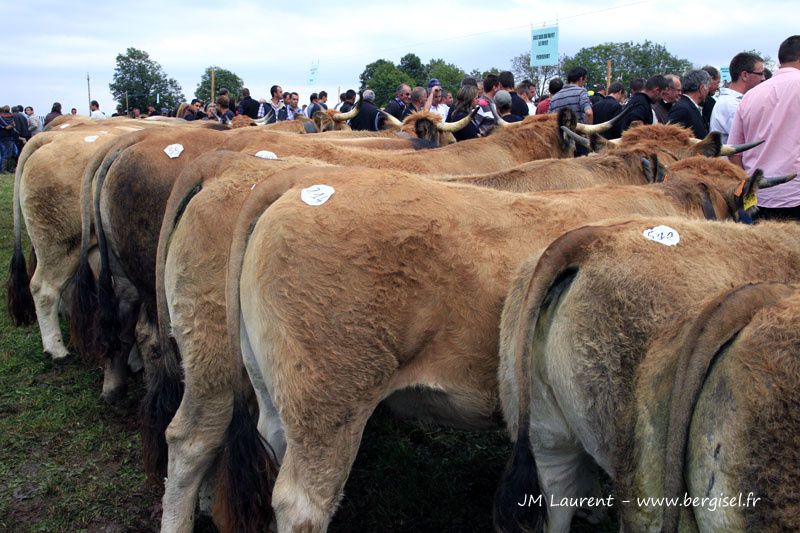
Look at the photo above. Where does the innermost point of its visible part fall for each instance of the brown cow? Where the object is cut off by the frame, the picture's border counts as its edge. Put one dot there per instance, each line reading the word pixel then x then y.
pixel 576 327
pixel 48 177
pixel 391 290
pixel 734 410
pixel 199 241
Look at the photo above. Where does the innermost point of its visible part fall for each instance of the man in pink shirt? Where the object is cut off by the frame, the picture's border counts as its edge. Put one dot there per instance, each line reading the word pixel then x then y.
pixel 771 111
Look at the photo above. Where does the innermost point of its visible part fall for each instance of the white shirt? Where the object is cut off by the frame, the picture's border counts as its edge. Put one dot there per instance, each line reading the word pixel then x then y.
pixel 442 109
pixel 722 115
pixel 97 114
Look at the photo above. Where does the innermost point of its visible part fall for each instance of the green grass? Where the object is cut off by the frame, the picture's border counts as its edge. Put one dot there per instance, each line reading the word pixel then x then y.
pixel 68 462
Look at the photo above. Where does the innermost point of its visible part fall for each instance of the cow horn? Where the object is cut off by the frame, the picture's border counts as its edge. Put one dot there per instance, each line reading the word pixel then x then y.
pixel 392 119
pixel 731 149
pixel 459 124
pixel 341 117
pixel 579 139
pixel 603 126
pixel 497 118
pixel 766 183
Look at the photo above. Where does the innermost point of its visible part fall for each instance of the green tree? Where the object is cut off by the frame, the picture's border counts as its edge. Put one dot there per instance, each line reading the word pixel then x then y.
pixel 386 77
pixel 412 65
pixel 222 78
pixel 539 76
pixel 629 60
pixel 449 75
pixel 479 74
pixel 369 72
pixel 142 80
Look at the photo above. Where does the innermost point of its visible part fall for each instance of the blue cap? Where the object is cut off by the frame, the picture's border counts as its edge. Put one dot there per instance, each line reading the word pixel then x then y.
pixel 433 83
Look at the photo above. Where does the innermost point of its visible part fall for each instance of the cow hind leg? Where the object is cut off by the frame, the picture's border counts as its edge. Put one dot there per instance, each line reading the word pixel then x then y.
pixel 194 438
pixel 46 285
pixel 115 374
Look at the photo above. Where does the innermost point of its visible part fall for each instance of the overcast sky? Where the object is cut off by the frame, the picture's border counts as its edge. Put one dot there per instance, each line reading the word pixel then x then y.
pixel 51 45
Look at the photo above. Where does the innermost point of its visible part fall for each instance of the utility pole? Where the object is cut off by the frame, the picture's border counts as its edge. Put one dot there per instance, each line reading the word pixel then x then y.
pixel 89 91
pixel 126 102
pixel 213 74
pixel 608 75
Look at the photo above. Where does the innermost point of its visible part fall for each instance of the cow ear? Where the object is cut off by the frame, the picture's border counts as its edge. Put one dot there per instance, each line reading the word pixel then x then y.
pixel 654 171
pixel 705 199
pixel 568 119
pixel 710 146
pixel 636 124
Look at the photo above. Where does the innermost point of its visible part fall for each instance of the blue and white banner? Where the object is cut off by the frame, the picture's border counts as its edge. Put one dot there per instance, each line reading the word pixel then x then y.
pixel 312 73
pixel 544 47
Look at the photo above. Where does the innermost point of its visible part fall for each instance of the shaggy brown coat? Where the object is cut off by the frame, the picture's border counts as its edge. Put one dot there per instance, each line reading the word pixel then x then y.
pixel 426 266
pixel 576 327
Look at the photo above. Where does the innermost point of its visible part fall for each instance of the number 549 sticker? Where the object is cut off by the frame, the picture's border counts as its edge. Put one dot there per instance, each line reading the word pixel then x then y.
pixel 663 235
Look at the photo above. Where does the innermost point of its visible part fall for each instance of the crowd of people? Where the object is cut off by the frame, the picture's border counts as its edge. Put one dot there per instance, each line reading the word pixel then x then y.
pixel 745 109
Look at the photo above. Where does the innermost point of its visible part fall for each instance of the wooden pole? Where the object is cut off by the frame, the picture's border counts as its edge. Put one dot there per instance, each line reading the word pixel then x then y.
pixel 213 75
pixel 608 75
pixel 89 91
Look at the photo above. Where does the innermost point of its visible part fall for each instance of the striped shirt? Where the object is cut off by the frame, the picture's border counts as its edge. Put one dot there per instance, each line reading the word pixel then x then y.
pixel 574 97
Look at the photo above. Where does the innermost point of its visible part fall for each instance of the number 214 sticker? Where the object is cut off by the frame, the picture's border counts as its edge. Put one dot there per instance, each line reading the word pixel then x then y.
pixel 663 235
pixel 317 194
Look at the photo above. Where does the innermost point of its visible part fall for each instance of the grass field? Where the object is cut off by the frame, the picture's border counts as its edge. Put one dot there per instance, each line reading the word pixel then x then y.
pixel 68 462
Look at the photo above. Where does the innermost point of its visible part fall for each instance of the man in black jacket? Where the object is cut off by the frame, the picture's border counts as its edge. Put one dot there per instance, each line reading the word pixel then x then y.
pixel 640 103
pixel 687 111
pixel 609 107
pixel 397 106
pixel 369 116
pixel 518 106
pixel 247 106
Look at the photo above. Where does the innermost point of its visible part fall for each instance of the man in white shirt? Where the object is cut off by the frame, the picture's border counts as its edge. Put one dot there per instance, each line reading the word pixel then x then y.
pixel 747 71
pixel 435 103
pixel 96 113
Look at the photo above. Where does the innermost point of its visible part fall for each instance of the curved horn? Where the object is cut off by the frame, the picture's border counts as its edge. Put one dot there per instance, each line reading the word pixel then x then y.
pixel 583 141
pixel 603 126
pixel 459 124
pixel 731 149
pixel 391 118
pixel 341 117
pixel 766 183
pixel 497 118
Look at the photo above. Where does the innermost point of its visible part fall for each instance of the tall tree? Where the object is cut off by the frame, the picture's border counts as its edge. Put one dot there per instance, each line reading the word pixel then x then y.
pixel 628 61
pixel 143 80
pixel 385 79
pixel 369 72
pixel 222 78
pixel 412 65
pixel 449 75
pixel 539 76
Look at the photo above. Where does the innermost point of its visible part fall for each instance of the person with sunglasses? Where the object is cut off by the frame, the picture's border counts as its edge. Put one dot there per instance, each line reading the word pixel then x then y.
pixel 770 111
pixel 747 71
pixel 398 104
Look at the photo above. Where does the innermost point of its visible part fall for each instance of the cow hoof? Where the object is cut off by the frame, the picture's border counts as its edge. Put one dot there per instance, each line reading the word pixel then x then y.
pixel 59 359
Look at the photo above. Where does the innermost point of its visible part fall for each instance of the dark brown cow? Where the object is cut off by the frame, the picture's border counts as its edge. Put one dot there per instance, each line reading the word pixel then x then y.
pixel 398 299
pixel 576 327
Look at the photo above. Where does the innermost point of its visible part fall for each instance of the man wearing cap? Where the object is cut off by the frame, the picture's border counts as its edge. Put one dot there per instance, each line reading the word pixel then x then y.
pixel 369 118
pixel 503 102
pixel 434 102
pixel 397 106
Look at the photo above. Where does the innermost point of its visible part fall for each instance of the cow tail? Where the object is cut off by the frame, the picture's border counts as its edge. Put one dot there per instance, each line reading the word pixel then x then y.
pixel 557 267
pixel 83 329
pixel 19 299
pixel 717 324
pixel 165 381
pixel 108 325
pixel 248 467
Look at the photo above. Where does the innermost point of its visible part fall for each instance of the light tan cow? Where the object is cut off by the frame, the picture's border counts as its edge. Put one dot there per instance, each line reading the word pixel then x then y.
pixel 579 387
pixel 391 289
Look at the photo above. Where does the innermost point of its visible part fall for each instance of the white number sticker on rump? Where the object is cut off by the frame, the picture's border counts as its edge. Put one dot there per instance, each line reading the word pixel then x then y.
pixel 91 138
pixel 663 235
pixel 266 154
pixel 173 150
pixel 316 194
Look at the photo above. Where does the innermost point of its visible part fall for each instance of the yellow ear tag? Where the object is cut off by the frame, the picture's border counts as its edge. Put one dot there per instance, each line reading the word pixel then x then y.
pixel 750 201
